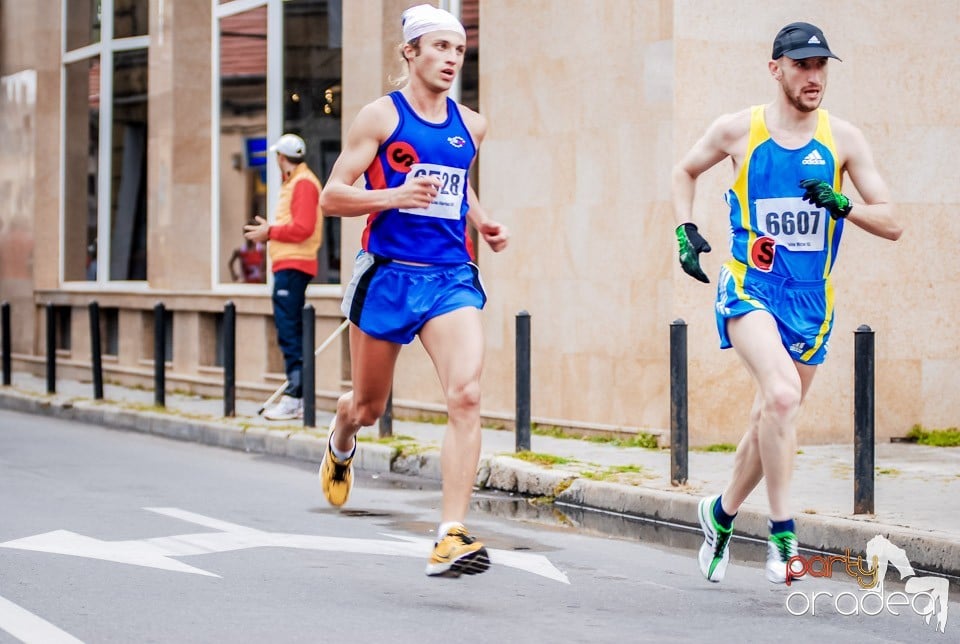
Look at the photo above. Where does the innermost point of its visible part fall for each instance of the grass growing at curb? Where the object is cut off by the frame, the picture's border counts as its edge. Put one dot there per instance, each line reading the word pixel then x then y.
pixel 888 471
pixel 621 473
pixel 167 411
pixel 406 446
pixel 717 447
pixel 550 430
pixel 642 439
pixel 389 440
pixel 562 486
pixel 949 437
pixel 541 459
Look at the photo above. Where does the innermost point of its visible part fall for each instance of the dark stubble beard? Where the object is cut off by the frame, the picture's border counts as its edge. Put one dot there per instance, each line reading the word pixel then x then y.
pixel 797 101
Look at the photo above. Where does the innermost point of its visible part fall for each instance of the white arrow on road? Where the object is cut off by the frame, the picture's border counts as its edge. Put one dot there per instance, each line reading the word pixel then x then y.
pixel 157 553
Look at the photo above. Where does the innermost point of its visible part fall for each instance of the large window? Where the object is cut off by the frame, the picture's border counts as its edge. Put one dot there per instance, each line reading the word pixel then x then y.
pixel 128 230
pixel 257 43
pixel 105 140
pixel 81 160
pixel 312 68
pixel 242 153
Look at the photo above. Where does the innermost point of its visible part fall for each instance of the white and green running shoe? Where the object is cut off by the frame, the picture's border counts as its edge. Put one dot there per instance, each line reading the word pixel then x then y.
pixel 780 548
pixel 714 553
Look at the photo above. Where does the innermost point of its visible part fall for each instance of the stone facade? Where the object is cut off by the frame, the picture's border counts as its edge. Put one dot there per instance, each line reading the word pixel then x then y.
pixel 590 104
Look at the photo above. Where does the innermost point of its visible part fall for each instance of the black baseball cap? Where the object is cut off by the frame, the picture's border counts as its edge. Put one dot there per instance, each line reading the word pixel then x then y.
pixel 800 40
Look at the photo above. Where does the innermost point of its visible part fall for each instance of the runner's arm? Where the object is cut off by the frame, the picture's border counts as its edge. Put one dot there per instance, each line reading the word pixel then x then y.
pixel 341 198
pixel 876 214
pixel 494 233
pixel 712 148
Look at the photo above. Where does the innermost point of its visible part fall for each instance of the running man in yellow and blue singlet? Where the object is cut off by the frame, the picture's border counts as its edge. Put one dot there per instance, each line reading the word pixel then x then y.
pixel 774 299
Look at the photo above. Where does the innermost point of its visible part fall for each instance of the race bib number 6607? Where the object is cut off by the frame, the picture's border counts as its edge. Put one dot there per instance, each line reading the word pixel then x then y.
pixel 792 222
pixel 446 205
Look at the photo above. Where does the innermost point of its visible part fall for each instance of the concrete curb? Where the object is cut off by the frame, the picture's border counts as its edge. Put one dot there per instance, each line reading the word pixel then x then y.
pixel 926 551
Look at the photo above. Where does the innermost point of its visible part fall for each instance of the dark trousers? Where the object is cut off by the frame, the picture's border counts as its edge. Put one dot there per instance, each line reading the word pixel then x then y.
pixel 289 296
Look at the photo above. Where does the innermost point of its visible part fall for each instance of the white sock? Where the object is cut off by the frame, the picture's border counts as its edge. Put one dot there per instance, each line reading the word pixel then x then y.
pixel 341 456
pixel 445 527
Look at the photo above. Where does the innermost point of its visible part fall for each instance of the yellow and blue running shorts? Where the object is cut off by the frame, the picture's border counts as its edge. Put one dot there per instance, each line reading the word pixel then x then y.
pixel 802 309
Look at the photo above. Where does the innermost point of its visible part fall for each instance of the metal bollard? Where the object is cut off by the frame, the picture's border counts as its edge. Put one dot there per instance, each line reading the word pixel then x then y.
pixel 309 373
pixel 679 445
pixel 523 382
pixel 51 350
pixel 159 355
pixel 6 332
pixel 863 420
pixel 386 419
pixel 96 365
pixel 229 359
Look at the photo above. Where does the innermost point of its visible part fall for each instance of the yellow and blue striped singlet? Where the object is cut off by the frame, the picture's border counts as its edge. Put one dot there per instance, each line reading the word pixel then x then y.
pixel 780 243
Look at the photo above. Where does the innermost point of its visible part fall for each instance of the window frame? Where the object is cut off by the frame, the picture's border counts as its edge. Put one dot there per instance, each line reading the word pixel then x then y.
pixel 274 107
pixel 275 88
pixel 105 50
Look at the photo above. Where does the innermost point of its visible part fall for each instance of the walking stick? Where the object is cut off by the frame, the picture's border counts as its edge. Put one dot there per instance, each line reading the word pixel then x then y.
pixel 326 343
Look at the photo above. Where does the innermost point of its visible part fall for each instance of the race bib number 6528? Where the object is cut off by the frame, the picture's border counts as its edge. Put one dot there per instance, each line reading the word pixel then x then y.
pixel 792 222
pixel 446 205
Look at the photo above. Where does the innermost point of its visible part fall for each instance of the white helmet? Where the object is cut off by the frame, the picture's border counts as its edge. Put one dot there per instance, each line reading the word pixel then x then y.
pixel 290 145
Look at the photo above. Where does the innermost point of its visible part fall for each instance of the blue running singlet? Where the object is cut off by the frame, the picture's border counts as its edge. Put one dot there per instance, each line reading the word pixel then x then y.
pixel 435 234
pixel 783 247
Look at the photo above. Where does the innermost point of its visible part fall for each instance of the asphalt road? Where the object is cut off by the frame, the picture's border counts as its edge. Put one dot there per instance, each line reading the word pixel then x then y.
pixel 114 536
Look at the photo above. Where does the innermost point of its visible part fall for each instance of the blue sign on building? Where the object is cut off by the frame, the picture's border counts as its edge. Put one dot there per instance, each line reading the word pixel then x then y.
pixel 255 149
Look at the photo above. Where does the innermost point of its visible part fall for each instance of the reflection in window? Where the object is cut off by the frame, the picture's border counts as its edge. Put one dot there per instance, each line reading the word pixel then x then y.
pixel 82 23
pixel 312 66
pixel 128 224
pixel 105 192
pixel 312 69
pixel 130 18
pixel 82 113
pixel 243 132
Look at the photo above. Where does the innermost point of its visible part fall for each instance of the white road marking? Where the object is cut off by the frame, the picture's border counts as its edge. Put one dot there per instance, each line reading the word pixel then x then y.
pixel 157 552
pixel 27 627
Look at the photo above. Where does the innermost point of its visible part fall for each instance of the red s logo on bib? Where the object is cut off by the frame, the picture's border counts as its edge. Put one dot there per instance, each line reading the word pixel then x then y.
pixel 401 156
pixel 762 252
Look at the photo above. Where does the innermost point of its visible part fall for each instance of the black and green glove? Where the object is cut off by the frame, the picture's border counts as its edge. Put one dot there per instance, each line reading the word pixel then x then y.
pixel 691 245
pixel 822 194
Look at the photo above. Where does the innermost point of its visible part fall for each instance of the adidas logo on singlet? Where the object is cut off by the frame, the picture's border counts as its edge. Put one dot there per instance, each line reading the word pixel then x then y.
pixel 814 158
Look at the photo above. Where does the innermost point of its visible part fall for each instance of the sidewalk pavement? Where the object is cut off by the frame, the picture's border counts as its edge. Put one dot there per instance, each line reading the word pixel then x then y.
pixel 916 488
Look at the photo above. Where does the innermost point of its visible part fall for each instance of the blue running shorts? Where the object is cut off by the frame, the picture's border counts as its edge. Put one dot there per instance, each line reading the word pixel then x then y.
pixel 803 310
pixel 391 301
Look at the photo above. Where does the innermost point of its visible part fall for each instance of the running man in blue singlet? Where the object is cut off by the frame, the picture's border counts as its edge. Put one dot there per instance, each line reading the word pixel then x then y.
pixel 414 276
pixel 775 299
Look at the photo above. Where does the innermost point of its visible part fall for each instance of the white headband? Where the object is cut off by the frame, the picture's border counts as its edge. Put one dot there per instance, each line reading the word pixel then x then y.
pixel 424 18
